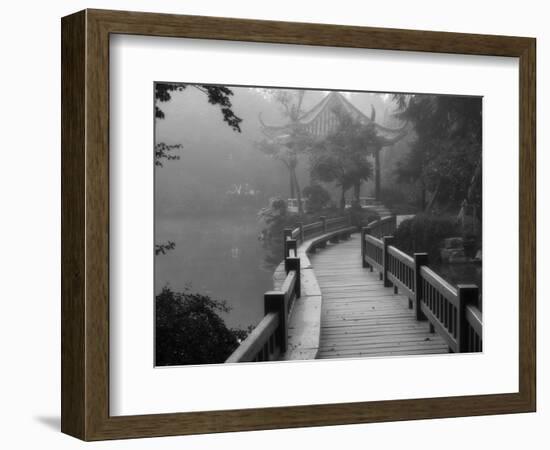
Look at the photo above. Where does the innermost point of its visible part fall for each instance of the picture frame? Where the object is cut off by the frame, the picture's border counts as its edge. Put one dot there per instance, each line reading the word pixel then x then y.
pixel 85 224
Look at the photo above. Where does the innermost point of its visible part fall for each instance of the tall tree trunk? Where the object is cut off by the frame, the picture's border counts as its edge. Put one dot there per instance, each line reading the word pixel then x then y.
pixel 343 199
pixel 291 174
pixel 357 191
pixel 377 174
pixel 298 192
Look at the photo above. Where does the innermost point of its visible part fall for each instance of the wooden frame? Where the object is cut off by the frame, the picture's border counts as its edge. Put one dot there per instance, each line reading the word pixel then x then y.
pixel 85 224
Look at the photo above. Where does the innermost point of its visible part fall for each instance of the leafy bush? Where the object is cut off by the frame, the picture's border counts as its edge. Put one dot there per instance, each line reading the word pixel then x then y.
pixel 400 200
pixel 361 217
pixel 189 329
pixel 317 198
pixel 424 233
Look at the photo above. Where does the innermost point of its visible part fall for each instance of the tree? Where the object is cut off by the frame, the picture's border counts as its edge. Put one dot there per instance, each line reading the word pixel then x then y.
pixel 317 197
pixel 275 217
pixel 164 151
pixel 295 141
pixel 446 153
pixel 342 156
pixel 288 151
pixel 217 95
pixel 189 330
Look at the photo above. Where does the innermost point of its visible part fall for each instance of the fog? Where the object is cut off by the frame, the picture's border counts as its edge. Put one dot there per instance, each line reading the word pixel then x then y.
pixel 216 160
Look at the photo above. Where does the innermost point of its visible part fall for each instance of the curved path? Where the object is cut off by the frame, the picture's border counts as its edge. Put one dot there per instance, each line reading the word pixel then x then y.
pixel 360 317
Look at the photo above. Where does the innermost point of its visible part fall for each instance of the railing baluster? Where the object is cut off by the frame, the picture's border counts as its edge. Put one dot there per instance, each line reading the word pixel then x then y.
pixel 291 245
pixel 274 301
pixel 364 232
pixel 387 240
pixel 420 259
pixel 293 263
pixel 287 234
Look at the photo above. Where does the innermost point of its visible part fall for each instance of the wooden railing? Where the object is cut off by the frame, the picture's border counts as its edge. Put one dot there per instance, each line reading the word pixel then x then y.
pixel 385 226
pixel 268 341
pixel 323 225
pixel 451 312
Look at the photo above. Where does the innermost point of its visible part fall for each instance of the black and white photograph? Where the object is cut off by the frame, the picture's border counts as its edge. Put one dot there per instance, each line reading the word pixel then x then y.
pixel 302 224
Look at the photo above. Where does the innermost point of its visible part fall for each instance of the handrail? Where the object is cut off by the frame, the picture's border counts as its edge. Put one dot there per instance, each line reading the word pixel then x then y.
pixel 373 249
pixel 260 342
pixel 384 226
pixel 268 340
pixel 337 222
pixel 474 329
pixel 440 305
pixel 450 311
pixel 401 271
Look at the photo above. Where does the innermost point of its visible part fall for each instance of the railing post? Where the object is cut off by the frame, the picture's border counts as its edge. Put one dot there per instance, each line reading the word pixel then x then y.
pixel 420 259
pixel 293 263
pixel 388 240
pixel 323 220
pixel 287 234
pixel 274 301
pixel 468 294
pixel 301 228
pixel 291 244
pixel 364 232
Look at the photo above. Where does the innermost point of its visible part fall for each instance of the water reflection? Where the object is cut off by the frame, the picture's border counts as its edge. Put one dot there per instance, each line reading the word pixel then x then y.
pixel 219 256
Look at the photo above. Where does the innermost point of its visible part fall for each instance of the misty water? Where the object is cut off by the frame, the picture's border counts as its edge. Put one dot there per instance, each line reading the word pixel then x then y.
pixel 219 256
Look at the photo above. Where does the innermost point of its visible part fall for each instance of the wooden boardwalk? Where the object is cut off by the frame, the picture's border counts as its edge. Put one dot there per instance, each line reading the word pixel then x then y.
pixel 360 317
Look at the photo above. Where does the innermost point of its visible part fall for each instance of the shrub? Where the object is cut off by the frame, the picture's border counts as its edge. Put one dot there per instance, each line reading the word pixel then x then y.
pixel 275 216
pixel 189 329
pixel 424 233
pixel 317 198
pixel 400 201
pixel 361 217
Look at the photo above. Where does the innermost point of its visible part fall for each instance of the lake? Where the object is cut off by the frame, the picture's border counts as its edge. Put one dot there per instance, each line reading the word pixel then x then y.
pixel 219 256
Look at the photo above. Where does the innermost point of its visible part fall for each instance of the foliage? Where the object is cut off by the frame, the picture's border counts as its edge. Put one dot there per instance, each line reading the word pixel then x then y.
pixel 290 100
pixel 164 151
pixel 288 147
pixel 217 95
pixel 361 217
pixel 275 216
pixel 424 233
pixel 163 248
pixel 189 329
pixel 317 198
pixel 341 156
pixel 399 199
pixel 445 158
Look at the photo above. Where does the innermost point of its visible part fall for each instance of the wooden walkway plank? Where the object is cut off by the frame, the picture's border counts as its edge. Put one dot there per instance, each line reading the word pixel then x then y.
pixel 360 317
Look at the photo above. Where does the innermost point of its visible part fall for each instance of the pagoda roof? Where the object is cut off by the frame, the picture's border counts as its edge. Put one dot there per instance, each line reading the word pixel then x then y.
pixel 321 121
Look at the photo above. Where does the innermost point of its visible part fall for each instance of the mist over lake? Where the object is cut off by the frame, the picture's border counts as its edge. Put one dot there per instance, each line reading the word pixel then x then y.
pixel 218 255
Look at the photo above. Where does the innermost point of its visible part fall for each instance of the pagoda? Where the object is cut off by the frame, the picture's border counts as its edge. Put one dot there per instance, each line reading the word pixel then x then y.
pixel 321 120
